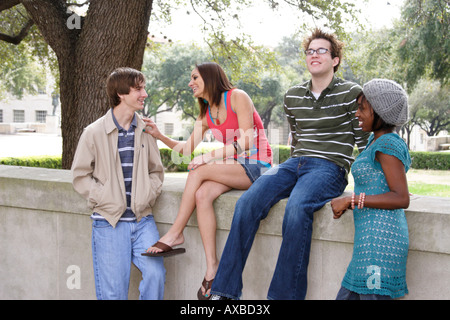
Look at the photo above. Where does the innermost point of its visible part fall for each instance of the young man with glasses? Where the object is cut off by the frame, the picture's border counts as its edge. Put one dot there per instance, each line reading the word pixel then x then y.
pixel 321 115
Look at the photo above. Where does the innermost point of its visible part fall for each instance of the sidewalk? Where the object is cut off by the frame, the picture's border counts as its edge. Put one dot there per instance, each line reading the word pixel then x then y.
pixel 39 144
pixel 30 144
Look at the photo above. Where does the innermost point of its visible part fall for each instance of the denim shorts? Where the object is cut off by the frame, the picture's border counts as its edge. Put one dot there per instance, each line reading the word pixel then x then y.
pixel 253 168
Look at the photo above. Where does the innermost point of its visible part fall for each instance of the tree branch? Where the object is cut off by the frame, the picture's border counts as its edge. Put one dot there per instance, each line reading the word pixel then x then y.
pixel 18 38
pixel 7 4
pixel 51 17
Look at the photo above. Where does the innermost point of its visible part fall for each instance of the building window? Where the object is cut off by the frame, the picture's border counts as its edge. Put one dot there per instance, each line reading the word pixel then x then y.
pixel 1 116
pixel 41 116
pixel 19 116
pixel 168 129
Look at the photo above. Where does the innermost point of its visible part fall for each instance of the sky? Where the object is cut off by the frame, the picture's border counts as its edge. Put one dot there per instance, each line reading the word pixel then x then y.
pixel 267 28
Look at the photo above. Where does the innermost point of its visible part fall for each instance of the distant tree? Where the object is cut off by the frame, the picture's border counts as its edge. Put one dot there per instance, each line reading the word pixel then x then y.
pixel 430 105
pixel 21 70
pixel 168 70
pixel 425 45
pixel 266 96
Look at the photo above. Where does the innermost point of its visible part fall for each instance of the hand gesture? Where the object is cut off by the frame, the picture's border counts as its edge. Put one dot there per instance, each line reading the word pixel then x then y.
pixel 198 161
pixel 151 128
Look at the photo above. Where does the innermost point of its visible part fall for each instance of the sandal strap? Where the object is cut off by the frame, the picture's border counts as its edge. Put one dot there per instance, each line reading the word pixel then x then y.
pixel 162 246
pixel 207 284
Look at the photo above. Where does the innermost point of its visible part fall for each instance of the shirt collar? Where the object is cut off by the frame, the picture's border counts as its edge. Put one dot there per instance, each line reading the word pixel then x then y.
pixel 133 122
pixel 327 89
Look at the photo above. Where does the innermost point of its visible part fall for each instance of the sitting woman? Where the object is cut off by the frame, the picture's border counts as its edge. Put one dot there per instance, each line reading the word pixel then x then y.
pixel 233 120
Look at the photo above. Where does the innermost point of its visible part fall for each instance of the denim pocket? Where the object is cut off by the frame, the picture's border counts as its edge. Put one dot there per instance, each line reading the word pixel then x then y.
pixel 101 224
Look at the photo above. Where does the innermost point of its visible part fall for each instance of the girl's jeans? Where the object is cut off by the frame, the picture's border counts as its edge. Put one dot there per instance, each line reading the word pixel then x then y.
pixel 113 250
pixel 309 183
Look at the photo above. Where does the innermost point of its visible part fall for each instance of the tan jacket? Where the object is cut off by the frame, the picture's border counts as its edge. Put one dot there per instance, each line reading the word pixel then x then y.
pixel 97 171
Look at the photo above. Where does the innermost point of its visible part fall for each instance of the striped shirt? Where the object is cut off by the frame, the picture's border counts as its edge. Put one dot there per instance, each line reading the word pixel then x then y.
pixel 125 146
pixel 325 127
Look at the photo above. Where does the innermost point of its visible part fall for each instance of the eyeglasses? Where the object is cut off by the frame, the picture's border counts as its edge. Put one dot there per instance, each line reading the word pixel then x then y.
pixel 319 51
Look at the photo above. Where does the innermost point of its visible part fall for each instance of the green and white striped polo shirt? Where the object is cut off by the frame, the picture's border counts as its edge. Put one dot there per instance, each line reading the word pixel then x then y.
pixel 325 127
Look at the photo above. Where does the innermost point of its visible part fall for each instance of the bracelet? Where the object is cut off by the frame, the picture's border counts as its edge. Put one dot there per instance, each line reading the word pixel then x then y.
pixel 362 198
pixel 353 201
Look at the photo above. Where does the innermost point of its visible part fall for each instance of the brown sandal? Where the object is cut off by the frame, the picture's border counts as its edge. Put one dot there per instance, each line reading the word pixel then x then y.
pixel 167 251
pixel 207 285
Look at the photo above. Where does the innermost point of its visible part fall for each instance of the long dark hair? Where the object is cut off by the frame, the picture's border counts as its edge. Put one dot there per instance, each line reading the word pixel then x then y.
pixel 216 82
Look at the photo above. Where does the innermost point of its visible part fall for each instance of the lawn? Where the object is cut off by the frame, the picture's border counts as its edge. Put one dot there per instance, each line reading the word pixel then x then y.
pixel 432 190
pixel 431 183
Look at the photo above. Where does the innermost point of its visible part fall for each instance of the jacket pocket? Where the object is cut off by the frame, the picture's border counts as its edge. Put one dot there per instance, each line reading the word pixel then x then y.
pixel 149 193
pixel 96 193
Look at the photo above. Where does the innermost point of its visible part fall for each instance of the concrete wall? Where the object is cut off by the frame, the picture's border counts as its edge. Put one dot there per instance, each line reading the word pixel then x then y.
pixel 45 243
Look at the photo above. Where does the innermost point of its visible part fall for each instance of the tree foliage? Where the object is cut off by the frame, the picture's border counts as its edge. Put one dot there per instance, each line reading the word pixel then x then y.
pixel 168 69
pixel 426 41
pixel 414 53
pixel 430 105
pixel 23 55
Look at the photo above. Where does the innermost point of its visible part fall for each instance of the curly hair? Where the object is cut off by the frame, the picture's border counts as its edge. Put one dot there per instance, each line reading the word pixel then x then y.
pixel 336 45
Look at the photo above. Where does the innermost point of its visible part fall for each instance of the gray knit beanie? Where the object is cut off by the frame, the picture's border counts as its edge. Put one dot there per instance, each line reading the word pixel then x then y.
pixel 388 100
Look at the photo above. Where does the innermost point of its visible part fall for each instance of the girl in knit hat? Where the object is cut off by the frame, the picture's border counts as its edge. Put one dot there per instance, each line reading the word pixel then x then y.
pixel 378 266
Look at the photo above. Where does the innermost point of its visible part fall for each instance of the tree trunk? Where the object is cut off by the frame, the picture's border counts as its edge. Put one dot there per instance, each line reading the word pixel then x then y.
pixel 113 34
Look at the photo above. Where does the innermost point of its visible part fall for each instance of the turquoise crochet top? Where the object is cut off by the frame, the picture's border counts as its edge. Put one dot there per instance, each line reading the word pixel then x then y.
pixel 380 251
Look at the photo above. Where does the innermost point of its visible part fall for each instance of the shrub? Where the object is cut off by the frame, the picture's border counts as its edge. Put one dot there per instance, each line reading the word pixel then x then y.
pixel 177 163
pixel 430 160
pixel 50 162
pixel 280 153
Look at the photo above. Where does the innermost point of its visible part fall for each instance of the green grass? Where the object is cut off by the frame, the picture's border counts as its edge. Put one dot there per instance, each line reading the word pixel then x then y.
pixel 431 190
pixel 431 183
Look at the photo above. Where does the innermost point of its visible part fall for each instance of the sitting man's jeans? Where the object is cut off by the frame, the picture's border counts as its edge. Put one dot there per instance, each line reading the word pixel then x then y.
pixel 309 183
pixel 113 250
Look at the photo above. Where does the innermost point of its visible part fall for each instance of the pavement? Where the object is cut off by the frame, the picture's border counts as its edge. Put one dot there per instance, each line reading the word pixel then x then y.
pixel 41 144
pixel 30 144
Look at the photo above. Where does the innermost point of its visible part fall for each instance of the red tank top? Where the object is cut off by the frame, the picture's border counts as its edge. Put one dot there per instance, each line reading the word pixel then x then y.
pixel 228 132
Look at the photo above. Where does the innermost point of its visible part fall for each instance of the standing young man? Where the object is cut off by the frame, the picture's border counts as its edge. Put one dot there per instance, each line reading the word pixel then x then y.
pixel 321 115
pixel 118 169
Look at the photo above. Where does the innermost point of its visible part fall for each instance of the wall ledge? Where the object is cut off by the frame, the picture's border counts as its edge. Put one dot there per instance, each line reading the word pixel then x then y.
pixel 428 217
pixel 42 214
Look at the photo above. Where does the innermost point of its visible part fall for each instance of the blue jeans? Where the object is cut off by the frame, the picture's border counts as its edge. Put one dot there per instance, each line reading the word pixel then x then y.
pixel 113 250
pixel 309 183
